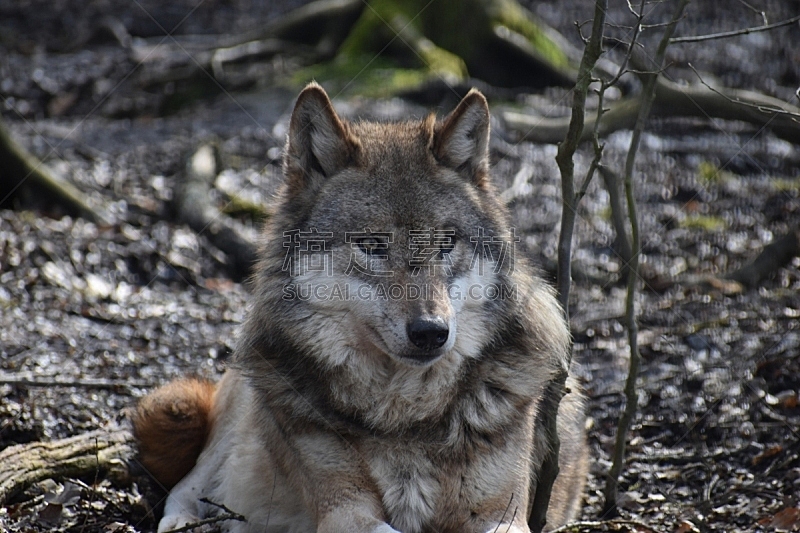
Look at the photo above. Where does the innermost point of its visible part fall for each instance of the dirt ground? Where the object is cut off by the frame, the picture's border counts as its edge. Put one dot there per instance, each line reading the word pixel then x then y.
pixel 716 443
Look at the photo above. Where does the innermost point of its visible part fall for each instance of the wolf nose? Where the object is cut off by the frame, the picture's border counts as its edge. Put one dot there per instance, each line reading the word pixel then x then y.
pixel 428 333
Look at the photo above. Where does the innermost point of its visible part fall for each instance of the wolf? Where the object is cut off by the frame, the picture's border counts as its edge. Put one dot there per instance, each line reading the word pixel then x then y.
pixel 390 372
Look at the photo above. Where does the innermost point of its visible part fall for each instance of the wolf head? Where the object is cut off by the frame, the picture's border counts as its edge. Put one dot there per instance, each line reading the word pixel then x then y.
pixel 393 243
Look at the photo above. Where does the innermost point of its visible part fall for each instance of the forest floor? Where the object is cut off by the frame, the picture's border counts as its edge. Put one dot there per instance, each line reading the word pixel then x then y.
pixel 716 443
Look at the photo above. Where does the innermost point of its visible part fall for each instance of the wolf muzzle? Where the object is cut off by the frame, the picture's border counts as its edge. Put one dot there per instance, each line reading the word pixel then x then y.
pixel 428 334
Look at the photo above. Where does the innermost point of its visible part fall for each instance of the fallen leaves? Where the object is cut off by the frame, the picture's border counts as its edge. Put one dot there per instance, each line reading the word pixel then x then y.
pixel 787 519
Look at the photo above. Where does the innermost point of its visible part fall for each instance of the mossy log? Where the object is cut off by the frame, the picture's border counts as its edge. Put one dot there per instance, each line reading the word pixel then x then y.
pixel 498 40
pixel 26 181
pixel 96 454
pixel 377 49
pixel 671 100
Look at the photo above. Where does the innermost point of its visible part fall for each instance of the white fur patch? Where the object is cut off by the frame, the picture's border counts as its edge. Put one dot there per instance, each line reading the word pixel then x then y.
pixel 409 489
pixel 469 332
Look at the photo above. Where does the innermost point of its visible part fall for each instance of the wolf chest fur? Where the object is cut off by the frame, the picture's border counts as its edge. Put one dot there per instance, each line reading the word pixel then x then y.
pixel 390 372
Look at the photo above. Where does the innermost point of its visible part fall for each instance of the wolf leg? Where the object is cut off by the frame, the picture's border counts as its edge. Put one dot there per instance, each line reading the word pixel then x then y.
pixel 183 504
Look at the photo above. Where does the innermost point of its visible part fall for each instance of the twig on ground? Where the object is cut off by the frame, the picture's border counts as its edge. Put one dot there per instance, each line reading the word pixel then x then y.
pixel 96 493
pixel 86 383
pixel 609 525
pixel 224 517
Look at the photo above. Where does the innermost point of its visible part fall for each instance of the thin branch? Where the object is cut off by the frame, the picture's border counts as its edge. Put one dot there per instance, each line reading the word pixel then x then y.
pixel 604 85
pixel 224 517
pixel 564 158
pixel 221 506
pixel 510 501
pixel 763 108
pixel 613 187
pixel 654 26
pixel 648 96
pixel 593 166
pixel 623 69
pixel 756 11
pixel 733 33
pixel 634 13
pixel 566 151
pixel 622 244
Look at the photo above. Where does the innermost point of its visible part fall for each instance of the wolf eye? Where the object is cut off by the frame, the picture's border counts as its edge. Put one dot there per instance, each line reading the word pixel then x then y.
pixel 372 245
pixel 448 244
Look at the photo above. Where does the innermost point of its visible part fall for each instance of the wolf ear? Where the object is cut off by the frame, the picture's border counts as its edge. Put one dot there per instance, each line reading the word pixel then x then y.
pixel 319 142
pixel 461 140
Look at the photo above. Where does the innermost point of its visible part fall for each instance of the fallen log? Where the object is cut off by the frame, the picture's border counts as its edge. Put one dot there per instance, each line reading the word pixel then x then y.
pixel 194 207
pixel 96 454
pixel 774 256
pixel 672 100
pixel 26 180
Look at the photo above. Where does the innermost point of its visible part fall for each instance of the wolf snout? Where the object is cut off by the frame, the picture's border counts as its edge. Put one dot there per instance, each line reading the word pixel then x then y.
pixel 428 333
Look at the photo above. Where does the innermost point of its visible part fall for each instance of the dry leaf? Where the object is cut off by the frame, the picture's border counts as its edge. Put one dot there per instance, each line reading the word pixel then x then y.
pixel 684 526
pixel 772 451
pixel 787 519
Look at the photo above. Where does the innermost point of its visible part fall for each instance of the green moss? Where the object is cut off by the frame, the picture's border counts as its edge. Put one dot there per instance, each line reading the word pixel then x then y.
pixel 240 207
pixel 368 29
pixel 398 44
pixel 709 174
pixel 439 61
pixel 377 79
pixel 374 61
pixel 786 184
pixel 515 18
pixel 704 222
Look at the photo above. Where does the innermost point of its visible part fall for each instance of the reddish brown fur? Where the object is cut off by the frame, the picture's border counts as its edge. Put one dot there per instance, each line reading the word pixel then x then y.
pixel 171 426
